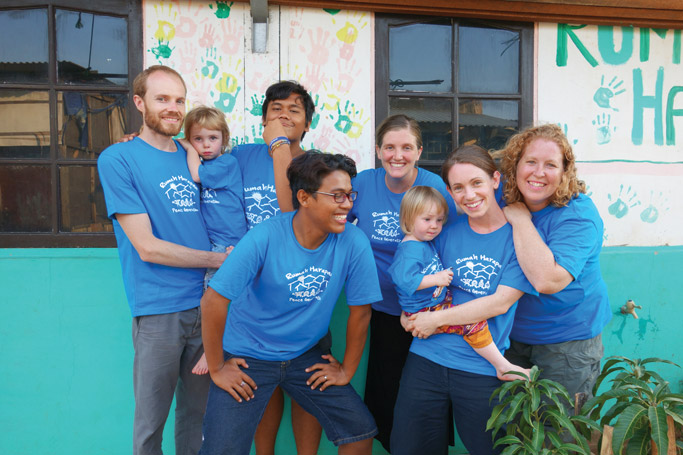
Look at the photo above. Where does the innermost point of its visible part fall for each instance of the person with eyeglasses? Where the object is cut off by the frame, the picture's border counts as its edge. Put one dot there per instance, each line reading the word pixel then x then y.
pixel 282 282
pixel 398 147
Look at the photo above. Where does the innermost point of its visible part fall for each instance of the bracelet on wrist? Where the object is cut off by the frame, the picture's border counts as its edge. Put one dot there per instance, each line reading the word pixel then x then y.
pixel 278 141
pixel 278 144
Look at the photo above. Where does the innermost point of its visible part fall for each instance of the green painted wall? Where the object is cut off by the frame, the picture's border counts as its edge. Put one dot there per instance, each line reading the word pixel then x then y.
pixel 65 369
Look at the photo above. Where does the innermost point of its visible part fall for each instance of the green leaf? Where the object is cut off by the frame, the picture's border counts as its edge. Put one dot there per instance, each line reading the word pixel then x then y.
pixel 587 422
pixel 625 425
pixel 538 436
pixel 658 360
pixel 497 418
pixel 535 399
pixel 612 413
pixel 658 427
pixel 507 440
pixel 564 422
pixel 554 439
pixel 638 444
pixel 677 416
pixel 576 449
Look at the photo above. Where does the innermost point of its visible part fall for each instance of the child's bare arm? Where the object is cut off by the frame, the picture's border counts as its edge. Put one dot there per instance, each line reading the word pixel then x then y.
pixel 193 161
pixel 442 278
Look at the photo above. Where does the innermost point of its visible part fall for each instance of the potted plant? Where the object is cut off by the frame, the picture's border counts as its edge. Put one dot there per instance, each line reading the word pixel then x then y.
pixel 527 409
pixel 637 406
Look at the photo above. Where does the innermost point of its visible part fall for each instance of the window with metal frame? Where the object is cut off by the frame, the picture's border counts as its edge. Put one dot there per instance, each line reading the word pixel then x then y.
pixel 464 81
pixel 66 69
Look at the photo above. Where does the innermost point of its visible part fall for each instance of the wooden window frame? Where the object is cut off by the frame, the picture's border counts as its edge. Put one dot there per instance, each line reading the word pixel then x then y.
pixel 383 93
pixel 132 11
pixel 640 13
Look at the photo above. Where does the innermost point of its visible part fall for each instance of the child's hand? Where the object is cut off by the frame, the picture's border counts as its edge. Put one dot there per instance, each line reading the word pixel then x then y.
pixel 444 277
pixel 187 146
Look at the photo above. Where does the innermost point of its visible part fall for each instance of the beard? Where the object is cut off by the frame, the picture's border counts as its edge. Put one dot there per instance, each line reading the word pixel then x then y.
pixel 154 122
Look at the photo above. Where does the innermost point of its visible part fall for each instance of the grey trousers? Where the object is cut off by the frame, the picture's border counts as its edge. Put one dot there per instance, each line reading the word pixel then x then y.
pixel 167 347
pixel 574 364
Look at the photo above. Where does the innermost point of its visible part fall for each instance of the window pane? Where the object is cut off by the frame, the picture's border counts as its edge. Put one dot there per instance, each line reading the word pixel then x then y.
pixel 25 198
pixel 489 60
pixel 82 200
pixel 89 122
pixel 91 48
pixel 24 48
pixel 487 123
pixel 420 57
pixel 25 125
pixel 435 119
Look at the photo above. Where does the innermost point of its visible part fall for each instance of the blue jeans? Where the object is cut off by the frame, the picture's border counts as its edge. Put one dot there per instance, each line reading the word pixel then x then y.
pixel 229 426
pixel 426 390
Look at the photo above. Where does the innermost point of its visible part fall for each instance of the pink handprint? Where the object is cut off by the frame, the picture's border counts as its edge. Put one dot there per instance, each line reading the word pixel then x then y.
pixel 187 58
pixel 346 147
pixel 232 36
pixel 324 137
pixel 200 89
pixel 313 78
pixel 319 53
pixel 296 26
pixel 208 39
pixel 347 74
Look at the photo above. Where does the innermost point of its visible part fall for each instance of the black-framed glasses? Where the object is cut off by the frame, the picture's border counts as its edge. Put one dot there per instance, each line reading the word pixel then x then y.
pixel 339 198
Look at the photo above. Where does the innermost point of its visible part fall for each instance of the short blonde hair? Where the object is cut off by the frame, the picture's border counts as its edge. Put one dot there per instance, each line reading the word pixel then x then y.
pixel 209 118
pixel 416 200
pixel 570 186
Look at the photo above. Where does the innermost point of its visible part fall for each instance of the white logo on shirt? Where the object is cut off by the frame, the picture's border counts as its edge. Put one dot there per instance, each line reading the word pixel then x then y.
pixel 433 267
pixel 475 272
pixel 180 191
pixel 309 284
pixel 209 196
pixel 261 204
pixel 387 227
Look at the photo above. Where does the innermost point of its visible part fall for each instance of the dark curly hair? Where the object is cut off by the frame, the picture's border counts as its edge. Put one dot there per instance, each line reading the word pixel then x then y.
pixel 307 171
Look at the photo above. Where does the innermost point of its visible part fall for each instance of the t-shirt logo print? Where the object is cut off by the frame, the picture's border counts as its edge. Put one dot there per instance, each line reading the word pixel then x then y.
pixel 308 285
pixel 179 191
pixel 387 226
pixel 433 267
pixel 261 207
pixel 475 277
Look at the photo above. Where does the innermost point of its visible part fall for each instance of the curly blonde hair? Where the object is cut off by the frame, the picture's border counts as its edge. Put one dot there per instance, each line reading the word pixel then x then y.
pixel 570 186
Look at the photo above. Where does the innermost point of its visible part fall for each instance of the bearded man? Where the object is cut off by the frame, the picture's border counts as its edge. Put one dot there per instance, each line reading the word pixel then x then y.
pixel 164 249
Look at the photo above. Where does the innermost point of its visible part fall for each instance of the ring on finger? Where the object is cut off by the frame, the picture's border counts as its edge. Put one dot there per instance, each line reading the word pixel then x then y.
pixel 325 377
pixel 242 384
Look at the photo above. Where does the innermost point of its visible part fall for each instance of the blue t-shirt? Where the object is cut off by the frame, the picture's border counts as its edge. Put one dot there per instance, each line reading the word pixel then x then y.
pixel 581 310
pixel 481 262
pixel 282 294
pixel 412 261
pixel 377 211
pixel 139 178
pixel 221 200
pixel 258 179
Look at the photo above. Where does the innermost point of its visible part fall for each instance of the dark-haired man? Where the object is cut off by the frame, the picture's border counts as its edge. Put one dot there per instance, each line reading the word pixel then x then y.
pixel 163 247
pixel 287 113
pixel 282 282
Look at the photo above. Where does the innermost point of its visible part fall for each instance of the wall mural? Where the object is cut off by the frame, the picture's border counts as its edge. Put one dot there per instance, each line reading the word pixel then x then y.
pixel 617 92
pixel 209 43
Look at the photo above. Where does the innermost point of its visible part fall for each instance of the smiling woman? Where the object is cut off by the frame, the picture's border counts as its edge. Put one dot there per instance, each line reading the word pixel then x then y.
pixel 399 145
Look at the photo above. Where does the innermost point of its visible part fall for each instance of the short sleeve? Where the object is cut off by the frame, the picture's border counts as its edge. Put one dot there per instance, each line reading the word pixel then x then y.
pixel 573 242
pixel 120 193
pixel 362 283
pixel 222 172
pixel 242 265
pixel 405 271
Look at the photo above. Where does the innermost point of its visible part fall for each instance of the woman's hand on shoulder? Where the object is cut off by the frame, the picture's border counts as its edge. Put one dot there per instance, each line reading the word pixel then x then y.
pixel 516 212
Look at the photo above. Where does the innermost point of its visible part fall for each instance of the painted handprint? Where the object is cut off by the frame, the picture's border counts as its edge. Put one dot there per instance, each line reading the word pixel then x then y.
pixel 222 9
pixel 208 38
pixel 232 37
pixel 650 214
pixel 604 95
pixel 620 207
pixel 319 52
pixel 603 130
